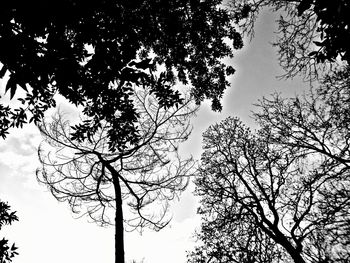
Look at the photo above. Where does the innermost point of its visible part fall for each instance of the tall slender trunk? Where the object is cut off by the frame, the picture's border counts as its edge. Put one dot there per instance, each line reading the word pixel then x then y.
pixel 119 227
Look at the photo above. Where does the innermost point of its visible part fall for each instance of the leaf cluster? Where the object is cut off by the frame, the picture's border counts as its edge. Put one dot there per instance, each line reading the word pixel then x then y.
pixel 91 53
pixel 7 252
pixel 333 26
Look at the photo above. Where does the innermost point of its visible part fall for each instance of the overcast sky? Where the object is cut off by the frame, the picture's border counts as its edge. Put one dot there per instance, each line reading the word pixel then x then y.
pixel 47 232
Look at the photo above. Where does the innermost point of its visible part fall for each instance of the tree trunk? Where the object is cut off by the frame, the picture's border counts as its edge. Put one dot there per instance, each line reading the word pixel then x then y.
pixel 296 256
pixel 281 239
pixel 292 251
pixel 119 227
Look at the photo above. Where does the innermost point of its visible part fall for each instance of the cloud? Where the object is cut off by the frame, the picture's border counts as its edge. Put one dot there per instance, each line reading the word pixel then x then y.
pixel 19 146
pixel 18 158
pixel 168 245
pixel 186 207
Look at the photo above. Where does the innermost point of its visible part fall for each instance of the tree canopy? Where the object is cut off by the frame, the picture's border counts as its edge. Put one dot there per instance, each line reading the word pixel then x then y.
pixel 311 33
pixel 280 193
pixel 92 52
pixel 333 27
pixel 131 187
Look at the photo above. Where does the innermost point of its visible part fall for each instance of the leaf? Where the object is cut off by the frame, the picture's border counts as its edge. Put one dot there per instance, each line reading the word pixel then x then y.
pixel 12 86
pixel 3 71
pixel 313 53
pixel 144 64
pixel 22 100
pixel 319 44
pixel 13 247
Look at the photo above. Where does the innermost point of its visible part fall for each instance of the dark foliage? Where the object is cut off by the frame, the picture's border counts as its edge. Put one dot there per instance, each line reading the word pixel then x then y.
pixel 7 251
pixel 92 52
pixel 334 28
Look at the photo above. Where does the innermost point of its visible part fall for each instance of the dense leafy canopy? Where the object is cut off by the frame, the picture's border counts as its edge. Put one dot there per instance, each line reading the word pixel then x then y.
pixel 92 52
pixel 7 252
pixel 333 26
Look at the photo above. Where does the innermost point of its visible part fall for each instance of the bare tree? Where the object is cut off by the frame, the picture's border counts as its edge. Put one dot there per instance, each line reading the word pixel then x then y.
pixel 142 177
pixel 290 180
pixel 317 122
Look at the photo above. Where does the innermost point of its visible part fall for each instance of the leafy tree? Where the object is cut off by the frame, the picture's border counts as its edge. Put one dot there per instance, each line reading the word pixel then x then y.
pixel 91 54
pixel 283 188
pixel 143 177
pixel 7 217
pixel 333 25
pixel 309 32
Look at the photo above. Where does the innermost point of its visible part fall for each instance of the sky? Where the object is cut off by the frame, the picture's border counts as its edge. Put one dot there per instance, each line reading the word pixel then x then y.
pixel 48 232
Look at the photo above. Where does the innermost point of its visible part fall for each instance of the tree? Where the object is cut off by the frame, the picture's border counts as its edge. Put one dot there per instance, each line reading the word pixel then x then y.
pixel 239 242
pixel 7 217
pixel 285 185
pixel 91 53
pixel 143 177
pixel 333 25
pixel 316 122
pixel 311 36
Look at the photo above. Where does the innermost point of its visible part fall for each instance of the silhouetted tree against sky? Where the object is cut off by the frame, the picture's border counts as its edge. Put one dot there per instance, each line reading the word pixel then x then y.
pixel 316 122
pixel 311 33
pixel 240 241
pixel 285 184
pixel 90 53
pixel 140 179
pixel 7 217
